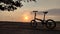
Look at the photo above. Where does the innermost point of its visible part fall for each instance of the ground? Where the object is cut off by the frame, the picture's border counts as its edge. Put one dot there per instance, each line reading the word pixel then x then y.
pixel 25 28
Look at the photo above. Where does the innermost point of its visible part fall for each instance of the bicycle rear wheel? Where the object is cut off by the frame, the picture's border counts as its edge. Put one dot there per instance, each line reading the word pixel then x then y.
pixel 33 23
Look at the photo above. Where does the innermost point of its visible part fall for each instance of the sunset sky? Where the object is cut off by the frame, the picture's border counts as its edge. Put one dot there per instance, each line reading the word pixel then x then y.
pixel 24 14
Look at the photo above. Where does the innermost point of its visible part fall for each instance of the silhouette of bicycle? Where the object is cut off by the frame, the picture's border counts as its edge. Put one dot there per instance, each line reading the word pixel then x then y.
pixel 50 24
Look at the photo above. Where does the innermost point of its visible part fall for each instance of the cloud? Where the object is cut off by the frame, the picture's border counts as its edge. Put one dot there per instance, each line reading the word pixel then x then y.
pixel 54 12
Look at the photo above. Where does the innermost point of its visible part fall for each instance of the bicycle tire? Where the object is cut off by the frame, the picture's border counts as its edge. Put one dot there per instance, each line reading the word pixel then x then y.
pixel 50 24
pixel 33 23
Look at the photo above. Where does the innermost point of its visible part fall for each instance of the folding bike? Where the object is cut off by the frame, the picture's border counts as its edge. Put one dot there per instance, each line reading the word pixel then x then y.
pixel 50 24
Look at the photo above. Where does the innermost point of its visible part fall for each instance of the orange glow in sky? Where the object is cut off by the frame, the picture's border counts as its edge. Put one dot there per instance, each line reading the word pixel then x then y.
pixel 25 17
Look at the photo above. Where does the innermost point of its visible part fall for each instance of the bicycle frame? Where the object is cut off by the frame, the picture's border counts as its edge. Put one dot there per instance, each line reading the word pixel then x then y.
pixel 43 17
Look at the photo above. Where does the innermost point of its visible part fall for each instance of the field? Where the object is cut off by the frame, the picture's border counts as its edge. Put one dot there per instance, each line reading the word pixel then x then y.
pixel 7 27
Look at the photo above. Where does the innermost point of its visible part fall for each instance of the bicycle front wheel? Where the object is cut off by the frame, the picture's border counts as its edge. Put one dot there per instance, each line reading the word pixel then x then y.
pixel 50 24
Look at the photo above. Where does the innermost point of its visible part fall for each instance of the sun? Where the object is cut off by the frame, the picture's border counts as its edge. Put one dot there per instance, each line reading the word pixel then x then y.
pixel 26 18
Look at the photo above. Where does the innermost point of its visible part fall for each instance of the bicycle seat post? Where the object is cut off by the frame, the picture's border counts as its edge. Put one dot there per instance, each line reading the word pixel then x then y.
pixel 45 15
pixel 35 14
